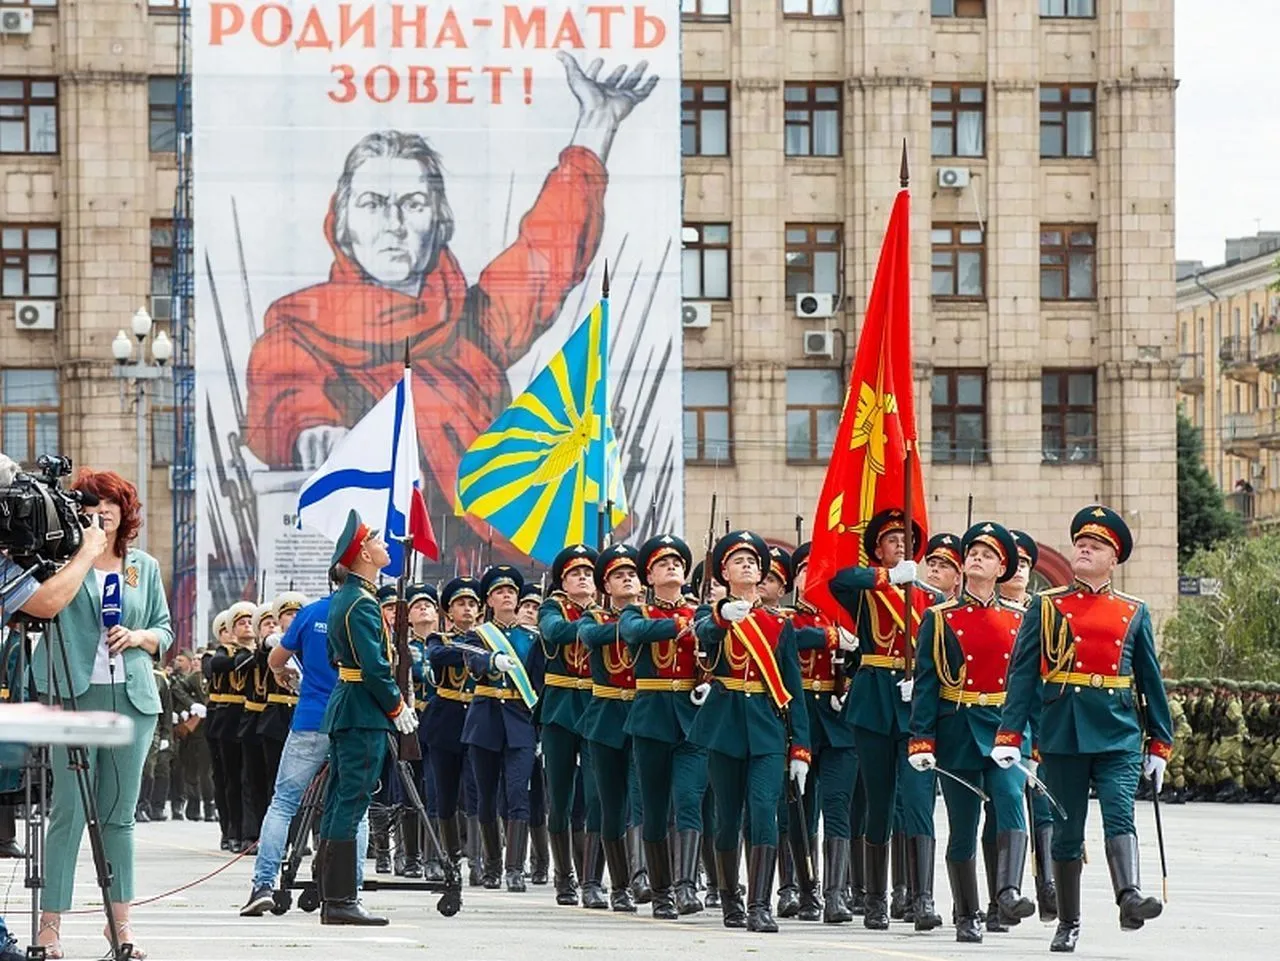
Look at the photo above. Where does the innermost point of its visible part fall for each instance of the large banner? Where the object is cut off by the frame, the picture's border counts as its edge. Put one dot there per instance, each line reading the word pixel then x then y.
pixel 376 181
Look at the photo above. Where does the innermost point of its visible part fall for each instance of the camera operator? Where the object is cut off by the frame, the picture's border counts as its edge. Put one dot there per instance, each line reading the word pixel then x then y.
pixel 115 623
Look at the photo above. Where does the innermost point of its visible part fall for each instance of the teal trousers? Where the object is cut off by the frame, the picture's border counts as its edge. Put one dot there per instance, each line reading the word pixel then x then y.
pixel 886 774
pixel 355 761
pixel 671 775
pixel 613 779
pixel 964 808
pixel 751 784
pixel 562 752
pixel 1068 776
pixel 115 778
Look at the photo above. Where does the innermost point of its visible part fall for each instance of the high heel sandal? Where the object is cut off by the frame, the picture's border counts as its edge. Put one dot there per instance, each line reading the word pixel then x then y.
pixel 124 929
pixel 52 949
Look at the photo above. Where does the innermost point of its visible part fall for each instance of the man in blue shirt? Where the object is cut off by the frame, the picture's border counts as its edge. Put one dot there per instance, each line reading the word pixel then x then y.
pixel 305 750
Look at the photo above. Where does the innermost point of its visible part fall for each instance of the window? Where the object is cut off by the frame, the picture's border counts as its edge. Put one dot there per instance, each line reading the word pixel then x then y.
pixel 29 414
pixel 959 416
pixel 1068 417
pixel 1066 121
pixel 704 9
pixel 811 8
pixel 28 116
pixel 164 421
pixel 1080 9
pixel 959 120
pixel 162 104
pixel 161 270
pixel 28 260
pixel 814 258
pixel 959 262
pixel 705 262
pixel 813 413
pixel 812 119
pixel 704 119
pixel 1068 262
pixel 959 8
pixel 707 421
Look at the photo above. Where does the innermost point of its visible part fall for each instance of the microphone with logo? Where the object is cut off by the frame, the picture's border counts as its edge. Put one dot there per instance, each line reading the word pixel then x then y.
pixel 111 608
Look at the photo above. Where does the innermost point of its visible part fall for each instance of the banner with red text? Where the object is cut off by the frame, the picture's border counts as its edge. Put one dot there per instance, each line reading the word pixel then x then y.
pixel 442 182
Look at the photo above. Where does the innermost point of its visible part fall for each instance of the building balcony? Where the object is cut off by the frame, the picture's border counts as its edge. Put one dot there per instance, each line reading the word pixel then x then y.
pixel 1245 504
pixel 1268 352
pixel 1240 433
pixel 1268 433
pixel 1191 373
pixel 1238 356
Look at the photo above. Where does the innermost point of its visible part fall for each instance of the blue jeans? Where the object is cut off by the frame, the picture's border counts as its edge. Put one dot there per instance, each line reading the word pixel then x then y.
pixel 304 753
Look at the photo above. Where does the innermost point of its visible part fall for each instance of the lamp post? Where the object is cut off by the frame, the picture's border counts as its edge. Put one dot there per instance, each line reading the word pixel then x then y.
pixel 138 374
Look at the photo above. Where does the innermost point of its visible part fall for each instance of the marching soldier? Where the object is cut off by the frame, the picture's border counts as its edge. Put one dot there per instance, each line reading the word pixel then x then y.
pixel 257 791
pixel 754 739
pixel 499 725
pixel 1080 653
pixel 964 646
pixel 942 564
pixel 384 811
pixel 672 770
pixel 879 707
pixel 528 606
pixel 604 724
pixel 423 606
pixel 565 696
pixel 229 682
pixel 363 710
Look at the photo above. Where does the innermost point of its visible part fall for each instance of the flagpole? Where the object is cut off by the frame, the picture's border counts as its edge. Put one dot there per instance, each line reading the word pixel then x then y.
pixel 605 507
pixel 908 493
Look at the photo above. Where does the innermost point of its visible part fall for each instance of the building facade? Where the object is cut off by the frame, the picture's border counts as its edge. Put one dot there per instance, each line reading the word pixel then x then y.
pixel 1040 138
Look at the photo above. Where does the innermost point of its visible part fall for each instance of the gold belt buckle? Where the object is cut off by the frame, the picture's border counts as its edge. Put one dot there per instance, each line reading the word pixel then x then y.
pixel 982 699
pixel 1095 680
pixel 675 684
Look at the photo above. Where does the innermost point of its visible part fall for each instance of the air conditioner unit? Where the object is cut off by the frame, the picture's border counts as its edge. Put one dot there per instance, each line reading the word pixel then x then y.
pixel 696 315
pixel 819 343
pixel 35 314
pixel 953 178
pixel 810 306
pixel 17 21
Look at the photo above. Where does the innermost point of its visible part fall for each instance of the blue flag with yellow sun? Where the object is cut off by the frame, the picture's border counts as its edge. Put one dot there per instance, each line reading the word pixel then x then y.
pixel 538 473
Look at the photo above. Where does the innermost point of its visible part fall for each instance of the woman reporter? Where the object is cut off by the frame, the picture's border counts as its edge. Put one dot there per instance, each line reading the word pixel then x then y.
pixel 109 670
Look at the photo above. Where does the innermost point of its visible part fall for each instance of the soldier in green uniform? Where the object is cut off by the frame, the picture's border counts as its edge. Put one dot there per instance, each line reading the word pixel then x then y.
pixel 565 696
pixel 1080 653
pixel 423 605
pixel 363 710
pixel 754 738
pixel 1226 757
pixel 1176 776
pixel 156 770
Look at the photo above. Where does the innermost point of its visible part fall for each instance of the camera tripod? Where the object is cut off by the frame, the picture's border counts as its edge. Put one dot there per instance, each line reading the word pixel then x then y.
pixel 37 772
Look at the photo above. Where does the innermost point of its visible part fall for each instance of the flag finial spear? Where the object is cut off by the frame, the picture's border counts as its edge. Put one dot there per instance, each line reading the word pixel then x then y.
pixel 406 354
pixel 904 172
pixel 604 288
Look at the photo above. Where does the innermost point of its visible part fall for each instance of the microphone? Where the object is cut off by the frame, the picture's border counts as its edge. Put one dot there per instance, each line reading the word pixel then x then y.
pixel 111 600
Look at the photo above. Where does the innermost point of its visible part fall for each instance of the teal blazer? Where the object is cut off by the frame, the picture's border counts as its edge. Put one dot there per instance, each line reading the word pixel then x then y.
pixel 143 608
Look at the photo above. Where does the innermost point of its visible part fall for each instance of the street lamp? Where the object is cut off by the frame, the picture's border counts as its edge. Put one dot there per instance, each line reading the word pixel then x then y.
pixel 138 374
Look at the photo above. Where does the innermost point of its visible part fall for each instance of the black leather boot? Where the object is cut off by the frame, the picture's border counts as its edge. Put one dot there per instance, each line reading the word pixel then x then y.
pixel 1046 893
pixel 835 873
pixel 1011 859
pixel 615 853
pixel 898 852
pixel 1122 859
pixel 491 842
pixel 433 864
pixel 857 886
pixel 760 867
pixel 380 837
pixel 658 856
pixel 810 903
pixel 641 890
pixel 731 908
pixel 876 913
pixel 577 850
pixel 788 893
pixel 539 854
pixel 517 844
pixel 712 899
pixel 963 876
pixel 475 860
pixel 411 834
pixel 920 851
pixel 450 838
pixel 990 864
pixel 593 872
pixel 686 893
pixel 566 882
pixel 340 905
pixel 1066 878
pixel 398 860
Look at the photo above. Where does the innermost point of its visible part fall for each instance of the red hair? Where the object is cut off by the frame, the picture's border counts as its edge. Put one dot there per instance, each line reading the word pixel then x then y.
pixel 107 485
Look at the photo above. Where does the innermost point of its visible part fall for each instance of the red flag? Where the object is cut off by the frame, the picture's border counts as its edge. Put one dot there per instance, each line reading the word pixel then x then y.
pixel 420 529
pixel 866 472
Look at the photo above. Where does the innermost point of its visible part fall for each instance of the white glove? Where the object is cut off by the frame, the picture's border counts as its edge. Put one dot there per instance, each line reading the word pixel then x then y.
pixel 1006 756
pixel 837 703
pixel 699 694
pixel 735 610
pixel 1153 768
pixel 406 721
pixel 502 663
pixel 924 761
pixel 164 744
pixel 175 717
pixel 185 715
pixel 199 710
pixel 1032 766
pixel 905 687
pixel 799 773
pixel 903 572
pixel 416 654
pixel 273 639
pixel 537 749
pixel 848 641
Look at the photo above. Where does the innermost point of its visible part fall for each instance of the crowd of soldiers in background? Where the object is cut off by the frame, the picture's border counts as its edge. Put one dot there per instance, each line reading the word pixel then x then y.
pixel 178 772
pixel 1226 741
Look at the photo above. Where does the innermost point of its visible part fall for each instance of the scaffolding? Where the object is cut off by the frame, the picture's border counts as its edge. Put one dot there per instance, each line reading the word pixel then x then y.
pixel 183 599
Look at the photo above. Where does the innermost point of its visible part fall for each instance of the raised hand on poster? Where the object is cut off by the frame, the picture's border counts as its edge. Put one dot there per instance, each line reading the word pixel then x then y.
pixel 315 443
pixel 604 104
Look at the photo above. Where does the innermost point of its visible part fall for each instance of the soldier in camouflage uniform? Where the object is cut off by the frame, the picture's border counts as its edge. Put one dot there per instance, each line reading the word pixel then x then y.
pixel 1175 779
pixel 1198 715
pixel 1226 756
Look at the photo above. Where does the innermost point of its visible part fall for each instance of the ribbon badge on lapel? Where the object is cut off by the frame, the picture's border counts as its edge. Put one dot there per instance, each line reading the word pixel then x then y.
pixel 131 576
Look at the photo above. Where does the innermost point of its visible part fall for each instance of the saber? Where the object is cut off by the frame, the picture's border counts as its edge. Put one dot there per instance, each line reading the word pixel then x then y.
pixel 962 782
pixel 1038 784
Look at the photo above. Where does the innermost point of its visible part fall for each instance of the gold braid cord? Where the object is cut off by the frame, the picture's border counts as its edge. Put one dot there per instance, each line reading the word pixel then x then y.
pixel 1059 646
